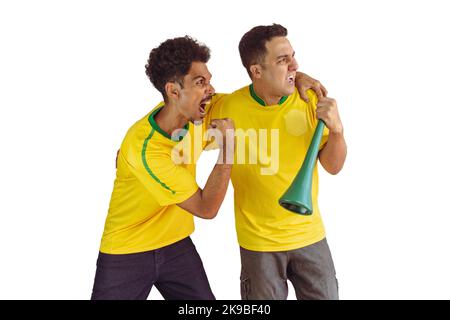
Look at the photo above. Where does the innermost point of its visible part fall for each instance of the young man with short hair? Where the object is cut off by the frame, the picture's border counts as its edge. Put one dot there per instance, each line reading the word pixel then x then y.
pixel 277 244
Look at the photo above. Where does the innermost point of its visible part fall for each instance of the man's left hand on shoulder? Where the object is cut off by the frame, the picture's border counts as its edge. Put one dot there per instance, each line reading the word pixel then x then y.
pixel 327 109
pixel 303 82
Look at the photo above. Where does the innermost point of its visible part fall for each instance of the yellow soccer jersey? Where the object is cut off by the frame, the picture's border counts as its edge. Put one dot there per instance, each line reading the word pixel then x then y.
pixel 271 143
pixel 154 173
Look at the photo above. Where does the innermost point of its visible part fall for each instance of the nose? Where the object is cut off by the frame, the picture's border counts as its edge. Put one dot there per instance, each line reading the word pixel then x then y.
pixel 210 91
pixel 293 66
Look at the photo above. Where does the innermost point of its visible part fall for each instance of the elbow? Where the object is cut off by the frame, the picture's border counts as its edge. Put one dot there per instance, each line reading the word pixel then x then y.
pixel 212 215
pixel 334 170
pixel 332 167
pixel 209 214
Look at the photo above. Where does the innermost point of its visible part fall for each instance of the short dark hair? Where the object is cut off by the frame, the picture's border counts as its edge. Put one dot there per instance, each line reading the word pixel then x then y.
pixel 252 46
pixel 172 60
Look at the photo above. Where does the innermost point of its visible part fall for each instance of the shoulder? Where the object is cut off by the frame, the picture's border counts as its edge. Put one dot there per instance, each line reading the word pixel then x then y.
pixel 240 93
pixel 312 96
pixel 140 136
pixel 237 98
pixel 309 106
pixel 222 103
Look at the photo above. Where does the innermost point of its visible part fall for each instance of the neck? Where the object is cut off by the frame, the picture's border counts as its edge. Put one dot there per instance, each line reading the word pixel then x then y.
pixel 263 91
pixel 169 119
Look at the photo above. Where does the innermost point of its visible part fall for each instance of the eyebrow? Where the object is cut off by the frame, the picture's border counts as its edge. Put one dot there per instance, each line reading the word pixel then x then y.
pixel 285 55
pixel 201 77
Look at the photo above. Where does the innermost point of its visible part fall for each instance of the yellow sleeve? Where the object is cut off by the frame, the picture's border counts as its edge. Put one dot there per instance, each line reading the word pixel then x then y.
pixel 214 112
pixel 314 121
pixel 166 181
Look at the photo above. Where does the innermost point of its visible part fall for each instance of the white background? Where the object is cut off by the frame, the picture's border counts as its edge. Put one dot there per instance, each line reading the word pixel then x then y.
pixel 72 82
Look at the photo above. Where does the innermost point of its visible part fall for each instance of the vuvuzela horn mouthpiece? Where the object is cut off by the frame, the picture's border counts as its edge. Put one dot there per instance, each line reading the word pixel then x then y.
pixel 297 197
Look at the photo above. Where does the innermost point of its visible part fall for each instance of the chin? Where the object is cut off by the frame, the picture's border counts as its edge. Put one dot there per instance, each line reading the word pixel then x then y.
pixel 196 121
pixel 289 91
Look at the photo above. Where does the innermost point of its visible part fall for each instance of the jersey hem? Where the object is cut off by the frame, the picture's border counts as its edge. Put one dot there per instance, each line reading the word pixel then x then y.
pixel 149 248
pixel 282 248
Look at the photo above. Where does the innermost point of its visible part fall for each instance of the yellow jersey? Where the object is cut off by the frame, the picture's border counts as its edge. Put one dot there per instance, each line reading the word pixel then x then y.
pixel 154 172
pixel 271 143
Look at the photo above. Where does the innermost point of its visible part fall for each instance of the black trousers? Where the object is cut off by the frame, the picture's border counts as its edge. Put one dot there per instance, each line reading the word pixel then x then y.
pixel 176 271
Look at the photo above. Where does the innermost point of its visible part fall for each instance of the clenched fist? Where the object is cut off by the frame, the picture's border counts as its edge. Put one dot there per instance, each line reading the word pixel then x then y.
pixel 223 132
pixel 222 125
pixel 327 111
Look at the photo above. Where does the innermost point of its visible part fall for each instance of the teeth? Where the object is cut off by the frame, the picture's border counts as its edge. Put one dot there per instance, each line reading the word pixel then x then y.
pixel 291 79
pixel 203 105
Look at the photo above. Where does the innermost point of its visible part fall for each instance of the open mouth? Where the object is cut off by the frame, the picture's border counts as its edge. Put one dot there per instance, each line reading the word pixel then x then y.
pixel 203 105
pixel 291 79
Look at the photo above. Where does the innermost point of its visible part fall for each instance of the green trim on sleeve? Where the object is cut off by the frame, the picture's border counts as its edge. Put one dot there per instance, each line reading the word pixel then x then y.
pixel 144 160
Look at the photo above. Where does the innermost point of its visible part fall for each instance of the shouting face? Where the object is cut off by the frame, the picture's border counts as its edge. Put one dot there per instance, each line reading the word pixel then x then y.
pixel 196 92
pixel 279 67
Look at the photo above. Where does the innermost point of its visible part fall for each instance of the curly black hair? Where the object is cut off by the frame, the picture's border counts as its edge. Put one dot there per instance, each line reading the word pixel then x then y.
pixel 252 46
pixel 172 60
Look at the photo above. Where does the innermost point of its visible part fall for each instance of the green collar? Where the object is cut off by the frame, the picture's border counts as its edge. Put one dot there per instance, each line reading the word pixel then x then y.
pixel 261 101
pixel 151 119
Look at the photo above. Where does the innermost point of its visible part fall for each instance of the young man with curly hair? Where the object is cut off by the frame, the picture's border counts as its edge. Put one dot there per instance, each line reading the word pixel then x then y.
pixel 146 236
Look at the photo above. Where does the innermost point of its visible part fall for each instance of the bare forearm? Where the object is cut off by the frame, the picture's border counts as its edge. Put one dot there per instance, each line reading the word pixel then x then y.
pixel 215 189
pixel 206 203
pixel 332 156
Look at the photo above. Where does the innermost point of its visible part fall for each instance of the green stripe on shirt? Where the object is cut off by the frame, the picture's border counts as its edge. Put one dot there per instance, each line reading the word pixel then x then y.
pixel 144 160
